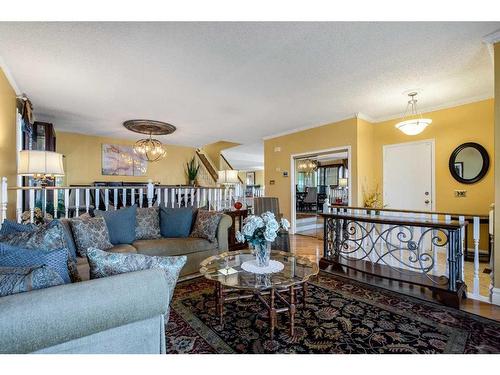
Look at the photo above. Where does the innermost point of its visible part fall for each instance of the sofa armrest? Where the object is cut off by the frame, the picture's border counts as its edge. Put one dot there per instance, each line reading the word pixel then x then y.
pixel 225 223
pixel 43 318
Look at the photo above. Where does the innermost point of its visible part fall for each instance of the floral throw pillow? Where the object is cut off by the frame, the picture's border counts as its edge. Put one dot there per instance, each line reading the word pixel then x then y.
pixel 24 279
pixel 90 232
pixel 148 223
pixel 206 225
pixel 105 264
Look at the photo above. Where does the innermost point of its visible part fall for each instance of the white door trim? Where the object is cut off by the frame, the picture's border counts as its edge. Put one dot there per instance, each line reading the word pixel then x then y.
pixel 293 212
pixel 432 141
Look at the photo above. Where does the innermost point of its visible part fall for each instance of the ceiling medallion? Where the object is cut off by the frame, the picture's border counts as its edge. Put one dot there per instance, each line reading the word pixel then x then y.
pixel 413 123
pixel 149 149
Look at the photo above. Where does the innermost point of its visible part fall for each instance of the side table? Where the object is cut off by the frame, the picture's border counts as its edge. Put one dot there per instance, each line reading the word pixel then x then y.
pixel 238 216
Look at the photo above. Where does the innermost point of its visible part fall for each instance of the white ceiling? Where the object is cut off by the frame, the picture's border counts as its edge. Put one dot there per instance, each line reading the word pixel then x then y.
pixel 248 157
pixel 240 81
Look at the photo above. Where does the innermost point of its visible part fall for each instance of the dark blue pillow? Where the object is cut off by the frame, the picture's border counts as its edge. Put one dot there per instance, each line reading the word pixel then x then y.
pixel 9 227
pixel 12 256
pixel 121 224
pixel 176 222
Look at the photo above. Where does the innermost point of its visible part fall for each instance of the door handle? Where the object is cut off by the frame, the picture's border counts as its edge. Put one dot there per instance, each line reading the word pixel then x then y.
pixel 427 201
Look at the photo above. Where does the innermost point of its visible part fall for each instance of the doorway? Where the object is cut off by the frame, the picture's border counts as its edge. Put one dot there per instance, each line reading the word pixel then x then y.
pixel 318 177
pixel 409 176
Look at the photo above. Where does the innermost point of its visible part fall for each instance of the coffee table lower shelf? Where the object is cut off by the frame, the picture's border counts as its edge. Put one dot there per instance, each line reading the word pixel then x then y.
pixel 268 298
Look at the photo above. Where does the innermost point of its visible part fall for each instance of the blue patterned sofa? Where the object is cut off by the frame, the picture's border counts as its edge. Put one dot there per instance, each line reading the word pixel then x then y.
pixel 118 314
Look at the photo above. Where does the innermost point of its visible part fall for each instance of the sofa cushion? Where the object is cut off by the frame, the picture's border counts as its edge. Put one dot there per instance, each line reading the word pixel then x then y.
pixel 24 279
pixel 9 227
pixel 148 223
pixel 120 223
pixel 173 246
pixel 176 222
pixel 105 264
pixel 13 256
pixel 90 231
pixel 123 248
pixel 206 225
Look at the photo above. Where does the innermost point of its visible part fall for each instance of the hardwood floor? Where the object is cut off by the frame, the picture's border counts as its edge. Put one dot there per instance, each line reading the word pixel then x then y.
pixel 312 248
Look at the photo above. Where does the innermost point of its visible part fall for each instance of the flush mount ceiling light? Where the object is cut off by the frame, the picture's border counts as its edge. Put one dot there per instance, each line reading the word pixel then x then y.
pixel 412 123
pixel 149 149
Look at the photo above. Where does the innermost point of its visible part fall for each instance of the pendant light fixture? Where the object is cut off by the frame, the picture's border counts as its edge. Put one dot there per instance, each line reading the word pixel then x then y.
pixel 149 149
pixel 413 123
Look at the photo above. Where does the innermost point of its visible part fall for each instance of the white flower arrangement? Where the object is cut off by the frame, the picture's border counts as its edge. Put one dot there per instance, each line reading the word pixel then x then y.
pixel 261 229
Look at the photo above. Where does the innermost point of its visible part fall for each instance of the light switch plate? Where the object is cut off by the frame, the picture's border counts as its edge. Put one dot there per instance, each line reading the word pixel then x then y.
pixel 277 149
pixel 460 193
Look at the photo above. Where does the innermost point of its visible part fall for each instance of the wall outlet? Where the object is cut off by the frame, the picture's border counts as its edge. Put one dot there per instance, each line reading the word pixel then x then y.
pixel 277 149
pixel 460 193
pixel 271 182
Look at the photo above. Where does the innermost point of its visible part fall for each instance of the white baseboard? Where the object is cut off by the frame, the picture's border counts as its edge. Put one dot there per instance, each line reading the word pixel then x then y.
pixel 495 296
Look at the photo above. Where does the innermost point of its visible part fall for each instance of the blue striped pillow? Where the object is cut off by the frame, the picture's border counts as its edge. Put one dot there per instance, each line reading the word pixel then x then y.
pixel 9 226
pixel 12 256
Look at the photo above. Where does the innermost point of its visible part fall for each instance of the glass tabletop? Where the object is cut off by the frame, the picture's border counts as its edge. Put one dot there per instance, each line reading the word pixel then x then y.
pixel 296 270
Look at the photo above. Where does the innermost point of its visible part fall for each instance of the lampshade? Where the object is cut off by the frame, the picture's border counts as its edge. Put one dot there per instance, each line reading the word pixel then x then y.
pixel 343 182
pixel 228 176
pixel 45 163
pixel 413 123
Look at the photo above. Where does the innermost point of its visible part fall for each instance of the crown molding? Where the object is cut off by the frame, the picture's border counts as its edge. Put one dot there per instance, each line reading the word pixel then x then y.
pixel 9 76
pixel 492 38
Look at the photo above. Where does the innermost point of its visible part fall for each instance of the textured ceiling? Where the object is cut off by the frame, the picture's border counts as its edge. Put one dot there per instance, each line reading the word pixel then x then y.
pixel 240 81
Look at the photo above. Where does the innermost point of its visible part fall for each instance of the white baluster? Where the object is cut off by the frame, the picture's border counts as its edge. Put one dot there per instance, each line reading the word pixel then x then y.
pixel 87 200
pixel 124 197
pixel 77 202
pixel 32 205
pixel 55 198
pixel 106 199
pixel 150 193
pixel 132 197
pixel 166 197
pixel 475 237
pixel 66 203
pixel 185 196
pixel 19 205
pixel 198 193
pixel 461 219
pixel 4 199
pixel 158 196
pixel 141 198
pixel 97 198
pixel 204 198
pixel 172 197
pixel 192 196
pixel 44 201
pixel 115 198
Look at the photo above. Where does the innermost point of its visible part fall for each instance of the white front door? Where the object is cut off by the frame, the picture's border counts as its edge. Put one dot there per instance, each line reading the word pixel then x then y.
pixel 409 176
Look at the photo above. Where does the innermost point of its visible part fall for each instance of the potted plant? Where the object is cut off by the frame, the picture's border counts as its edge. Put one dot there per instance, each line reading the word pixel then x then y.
pixel 373 199
pixel 261 231
pixel 192 171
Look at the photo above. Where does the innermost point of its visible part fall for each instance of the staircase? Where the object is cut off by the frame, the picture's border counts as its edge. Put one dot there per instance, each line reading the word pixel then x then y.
pixel 207 174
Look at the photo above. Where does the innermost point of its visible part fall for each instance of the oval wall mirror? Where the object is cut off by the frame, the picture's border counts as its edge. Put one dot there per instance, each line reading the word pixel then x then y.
pixel 469 163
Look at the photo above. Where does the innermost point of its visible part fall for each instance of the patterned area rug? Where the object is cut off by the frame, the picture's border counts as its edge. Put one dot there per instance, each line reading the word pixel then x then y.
pixel 341 316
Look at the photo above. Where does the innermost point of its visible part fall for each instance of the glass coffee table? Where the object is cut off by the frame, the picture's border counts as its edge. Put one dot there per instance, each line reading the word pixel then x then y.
pixel 277 291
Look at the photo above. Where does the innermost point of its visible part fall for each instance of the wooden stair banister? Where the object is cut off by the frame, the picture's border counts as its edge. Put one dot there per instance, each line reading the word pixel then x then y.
pixel 230 167
pixel 208 166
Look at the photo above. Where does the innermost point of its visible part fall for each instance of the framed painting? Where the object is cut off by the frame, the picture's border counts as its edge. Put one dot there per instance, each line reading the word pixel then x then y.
pixel 120 160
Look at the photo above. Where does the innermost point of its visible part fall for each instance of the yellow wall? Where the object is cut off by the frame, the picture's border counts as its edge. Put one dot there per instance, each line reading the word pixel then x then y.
pixel 450 127
pixel 366 150
pixel 213 150
pixel 338 134
pixel 259 177
pixel 8 159
pixel 83 161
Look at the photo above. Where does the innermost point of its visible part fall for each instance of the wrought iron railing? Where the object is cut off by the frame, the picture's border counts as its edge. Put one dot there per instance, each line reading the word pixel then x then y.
pixel 406 244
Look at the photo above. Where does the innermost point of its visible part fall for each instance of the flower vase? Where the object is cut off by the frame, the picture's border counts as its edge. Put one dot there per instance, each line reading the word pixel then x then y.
pixel 263 254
